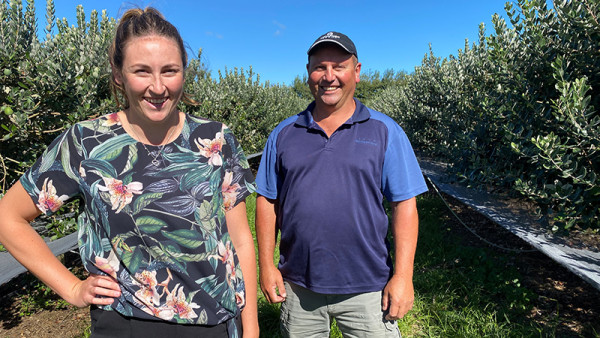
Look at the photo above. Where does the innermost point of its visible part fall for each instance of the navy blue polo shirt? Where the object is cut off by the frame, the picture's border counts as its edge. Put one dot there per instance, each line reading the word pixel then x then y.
pixel 330 192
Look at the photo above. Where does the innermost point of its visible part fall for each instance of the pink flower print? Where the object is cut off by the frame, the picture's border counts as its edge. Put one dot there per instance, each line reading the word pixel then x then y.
pixel 147 293
pixel 48 199
pixel 120 194
pixel 112 119
pixel 229 191
pixel 109 265
pixel 176 302
pixel 240 299
pixel 226 256
pixel 211 149
pixel 82 172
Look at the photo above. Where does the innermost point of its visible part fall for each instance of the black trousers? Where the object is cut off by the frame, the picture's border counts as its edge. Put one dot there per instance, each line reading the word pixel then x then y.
pixel 111 324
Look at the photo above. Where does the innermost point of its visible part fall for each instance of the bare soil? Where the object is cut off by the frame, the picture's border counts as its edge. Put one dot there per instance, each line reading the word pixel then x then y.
pixel 564 300
pixel 26 312
pixel 65 323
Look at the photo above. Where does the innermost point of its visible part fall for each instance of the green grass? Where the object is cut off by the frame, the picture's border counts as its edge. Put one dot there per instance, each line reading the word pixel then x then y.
pixel 460 291
pixel 463 291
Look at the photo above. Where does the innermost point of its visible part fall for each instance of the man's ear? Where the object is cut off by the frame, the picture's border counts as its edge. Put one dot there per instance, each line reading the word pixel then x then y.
pixel 358 66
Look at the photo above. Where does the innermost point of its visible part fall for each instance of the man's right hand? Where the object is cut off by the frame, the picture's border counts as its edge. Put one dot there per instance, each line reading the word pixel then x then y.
pixel 271 284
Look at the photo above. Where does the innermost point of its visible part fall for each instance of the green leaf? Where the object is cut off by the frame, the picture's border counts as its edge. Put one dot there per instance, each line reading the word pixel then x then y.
pixel 183 257
pixel 204 212
pixel 215 180
pixel 131 256
pixel 133 156
pixel 50 156
pixel 149 224
pixel 65 158
pixel 187 238
pixel 103 167
pixel 177 169
pixel 209 284
pixel 136 260
pixel 250 187
pixel 144 200
pixel 112 148
pixel 182 155
pixel 191 178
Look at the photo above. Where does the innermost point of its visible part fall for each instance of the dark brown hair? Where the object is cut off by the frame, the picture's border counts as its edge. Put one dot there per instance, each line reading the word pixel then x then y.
pixel 136 23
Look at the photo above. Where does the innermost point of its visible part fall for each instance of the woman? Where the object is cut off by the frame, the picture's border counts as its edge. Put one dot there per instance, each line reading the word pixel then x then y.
pixel 164 219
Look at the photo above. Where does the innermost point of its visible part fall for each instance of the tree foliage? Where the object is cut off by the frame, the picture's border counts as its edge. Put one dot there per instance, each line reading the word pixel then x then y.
pixel 237 97
pixel 517 110
pixel 48 85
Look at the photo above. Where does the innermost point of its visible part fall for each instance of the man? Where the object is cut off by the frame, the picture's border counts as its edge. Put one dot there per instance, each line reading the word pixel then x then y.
pixel 321 182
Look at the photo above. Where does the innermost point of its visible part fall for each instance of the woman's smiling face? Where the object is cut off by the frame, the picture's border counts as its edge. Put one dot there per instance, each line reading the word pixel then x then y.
pixel 152 77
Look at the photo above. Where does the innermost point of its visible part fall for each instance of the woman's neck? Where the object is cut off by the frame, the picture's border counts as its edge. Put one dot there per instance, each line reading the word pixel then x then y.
pixel 153 133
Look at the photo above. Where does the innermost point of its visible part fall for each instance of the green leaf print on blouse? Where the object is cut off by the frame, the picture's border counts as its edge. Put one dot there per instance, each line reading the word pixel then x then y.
pixel 135 260
pixel 144 200
pixel 198 174
pixel 49 155
pixel 97 166
pixel 187 238
pixel 65 158
pixel 113 147
pixel 149 224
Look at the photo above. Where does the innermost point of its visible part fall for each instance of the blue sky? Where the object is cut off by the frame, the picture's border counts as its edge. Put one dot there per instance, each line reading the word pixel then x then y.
pixel 273 36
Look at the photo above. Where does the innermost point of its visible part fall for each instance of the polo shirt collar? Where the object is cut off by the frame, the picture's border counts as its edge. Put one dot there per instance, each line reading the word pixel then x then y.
pixel 361 113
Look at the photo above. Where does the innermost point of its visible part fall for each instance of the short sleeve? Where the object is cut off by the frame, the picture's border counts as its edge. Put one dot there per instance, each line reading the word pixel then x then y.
pixel 402 178
pixel 54 178
pixel 266 178
pixel 238 181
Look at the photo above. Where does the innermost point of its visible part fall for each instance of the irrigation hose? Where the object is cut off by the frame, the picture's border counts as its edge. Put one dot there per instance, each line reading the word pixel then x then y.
pixel 471 230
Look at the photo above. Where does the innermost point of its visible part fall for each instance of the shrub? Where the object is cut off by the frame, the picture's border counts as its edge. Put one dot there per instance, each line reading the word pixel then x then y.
pixel 47 86
pixel 237 98
pixel 518 110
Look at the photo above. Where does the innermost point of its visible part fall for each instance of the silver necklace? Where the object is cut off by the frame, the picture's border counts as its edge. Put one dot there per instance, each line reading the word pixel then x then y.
pixel 154 161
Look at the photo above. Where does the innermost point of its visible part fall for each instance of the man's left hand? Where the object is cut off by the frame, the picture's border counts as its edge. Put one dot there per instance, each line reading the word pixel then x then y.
pixel 398 297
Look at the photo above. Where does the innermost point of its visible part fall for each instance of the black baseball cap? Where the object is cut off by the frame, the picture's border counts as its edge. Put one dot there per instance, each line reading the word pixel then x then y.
pixel 336 38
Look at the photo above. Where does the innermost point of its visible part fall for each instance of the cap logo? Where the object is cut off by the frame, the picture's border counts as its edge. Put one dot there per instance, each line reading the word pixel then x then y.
pixel 336 38
pixel 330 35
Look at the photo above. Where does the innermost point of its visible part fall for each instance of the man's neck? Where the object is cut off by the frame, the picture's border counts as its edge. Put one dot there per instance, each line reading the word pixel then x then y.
pixel 330 118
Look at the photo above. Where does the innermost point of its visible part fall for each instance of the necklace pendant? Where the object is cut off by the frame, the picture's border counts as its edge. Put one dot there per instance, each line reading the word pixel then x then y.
pixel 155 162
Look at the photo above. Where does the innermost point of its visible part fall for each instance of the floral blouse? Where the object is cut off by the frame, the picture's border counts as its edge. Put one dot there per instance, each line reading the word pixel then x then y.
pixel 157 227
